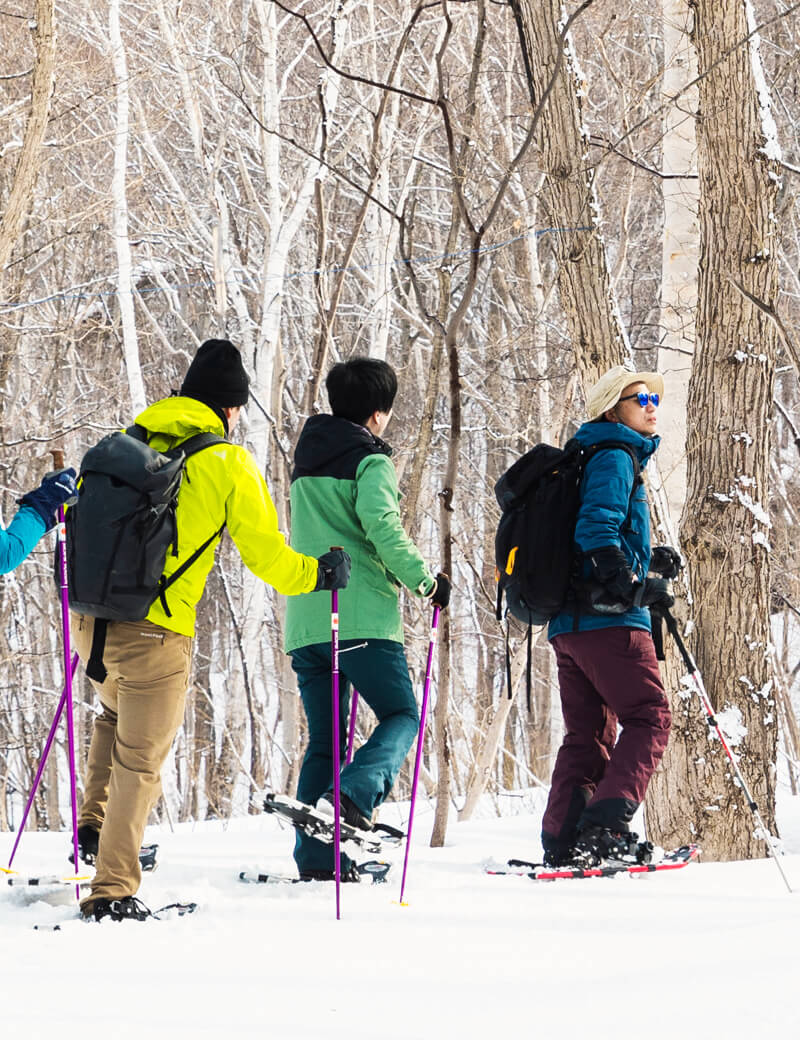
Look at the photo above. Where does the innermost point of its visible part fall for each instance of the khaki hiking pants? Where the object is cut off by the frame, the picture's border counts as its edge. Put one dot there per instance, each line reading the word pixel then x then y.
pixel 142 700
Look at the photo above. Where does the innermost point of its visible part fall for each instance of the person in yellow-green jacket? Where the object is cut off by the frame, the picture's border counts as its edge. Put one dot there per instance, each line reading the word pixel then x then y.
pixel 147 663
pixel 344 492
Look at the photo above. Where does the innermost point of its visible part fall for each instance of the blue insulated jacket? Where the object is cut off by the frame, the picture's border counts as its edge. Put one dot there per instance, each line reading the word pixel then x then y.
pixel 604 519
pixel 19 538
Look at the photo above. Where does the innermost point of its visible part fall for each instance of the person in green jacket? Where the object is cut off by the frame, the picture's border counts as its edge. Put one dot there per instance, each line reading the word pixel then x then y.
pixel 344 492
pixel 148 662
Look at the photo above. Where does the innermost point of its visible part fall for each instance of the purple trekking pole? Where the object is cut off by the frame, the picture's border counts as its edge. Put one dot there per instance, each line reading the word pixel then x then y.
pixel 337 751
pixel 43 762
pixel 58 461
pixel 420 742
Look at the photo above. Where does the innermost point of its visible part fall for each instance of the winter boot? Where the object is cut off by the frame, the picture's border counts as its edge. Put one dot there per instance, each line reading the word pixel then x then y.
pixel 88 842
pixel 128 908
pixel 351 814
pixel 596 845
pixel 558 857
pixel 350 874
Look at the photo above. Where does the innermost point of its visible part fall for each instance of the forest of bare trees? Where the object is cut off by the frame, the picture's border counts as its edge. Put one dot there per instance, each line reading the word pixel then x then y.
pixel 502 199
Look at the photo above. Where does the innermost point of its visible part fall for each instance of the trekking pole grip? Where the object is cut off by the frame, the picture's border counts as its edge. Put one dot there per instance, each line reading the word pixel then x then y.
pixel 58 457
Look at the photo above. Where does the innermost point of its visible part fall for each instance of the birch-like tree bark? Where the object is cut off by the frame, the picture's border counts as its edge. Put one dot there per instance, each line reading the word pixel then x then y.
pixel 680 248
pixel 122 244
pixel 568 198
pixel 725 526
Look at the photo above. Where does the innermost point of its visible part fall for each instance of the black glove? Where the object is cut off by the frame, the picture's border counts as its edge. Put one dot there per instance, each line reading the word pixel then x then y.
pixel 657 595
pixel 611 570
pixel 440 597
pixel 665 561
pixel 56 489
pixel 334 570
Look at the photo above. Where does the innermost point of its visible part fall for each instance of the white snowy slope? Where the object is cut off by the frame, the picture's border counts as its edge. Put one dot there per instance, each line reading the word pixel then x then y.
pixel 708 951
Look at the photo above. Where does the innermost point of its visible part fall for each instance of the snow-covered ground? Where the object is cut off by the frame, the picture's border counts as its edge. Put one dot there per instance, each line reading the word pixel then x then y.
pixel 709 951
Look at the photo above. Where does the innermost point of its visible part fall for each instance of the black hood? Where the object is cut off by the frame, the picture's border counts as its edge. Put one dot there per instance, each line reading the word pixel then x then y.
pixel 334 447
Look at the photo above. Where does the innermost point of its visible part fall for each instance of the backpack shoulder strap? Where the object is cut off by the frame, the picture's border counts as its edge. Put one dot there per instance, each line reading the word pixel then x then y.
pixel 638 479
pixel 190 446
pixel 165 583
pixel 198 442
pixel 138 432
pixel 594 449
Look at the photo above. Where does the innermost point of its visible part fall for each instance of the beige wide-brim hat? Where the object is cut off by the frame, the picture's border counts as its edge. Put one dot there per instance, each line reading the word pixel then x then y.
pixel 609 387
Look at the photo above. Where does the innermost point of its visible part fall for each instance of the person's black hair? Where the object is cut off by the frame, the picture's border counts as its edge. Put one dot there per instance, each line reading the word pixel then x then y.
pixel 359 387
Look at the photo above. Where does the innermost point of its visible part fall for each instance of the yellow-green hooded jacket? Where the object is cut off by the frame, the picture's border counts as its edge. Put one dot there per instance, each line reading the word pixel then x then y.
pixel 221 485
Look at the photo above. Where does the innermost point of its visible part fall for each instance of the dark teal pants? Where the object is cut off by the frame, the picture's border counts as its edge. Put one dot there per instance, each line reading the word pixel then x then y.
pixel 379 672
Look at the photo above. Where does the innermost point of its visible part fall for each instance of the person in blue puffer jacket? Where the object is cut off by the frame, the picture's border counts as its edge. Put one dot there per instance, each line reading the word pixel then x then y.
pixel 607 668
pixel 36 516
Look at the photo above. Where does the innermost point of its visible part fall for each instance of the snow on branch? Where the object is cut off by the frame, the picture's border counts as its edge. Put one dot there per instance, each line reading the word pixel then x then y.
pixel 771 147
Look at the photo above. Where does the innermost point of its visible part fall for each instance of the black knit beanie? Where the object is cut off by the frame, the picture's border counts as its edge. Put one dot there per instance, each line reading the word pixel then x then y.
pixel 216 376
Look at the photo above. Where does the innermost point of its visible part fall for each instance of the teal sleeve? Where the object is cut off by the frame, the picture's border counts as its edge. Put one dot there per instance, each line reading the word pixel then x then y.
pixel 378 510
pixel 607 485
pixel 17 540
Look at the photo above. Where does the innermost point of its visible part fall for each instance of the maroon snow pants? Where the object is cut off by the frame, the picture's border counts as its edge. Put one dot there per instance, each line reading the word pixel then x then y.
pixel 606 676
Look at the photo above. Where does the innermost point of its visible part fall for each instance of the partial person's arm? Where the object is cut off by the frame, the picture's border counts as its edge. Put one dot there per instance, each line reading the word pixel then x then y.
pixel 378 512
pixel 607 487
pixel 37 516
pixel 19 538
pixel 253 524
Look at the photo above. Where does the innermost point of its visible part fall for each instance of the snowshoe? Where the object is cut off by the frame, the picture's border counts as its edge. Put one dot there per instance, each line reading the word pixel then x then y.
pixel 374 868
pixel 129 908
pixel 673 860
pixel 350 813
pixel 320 825
pixel 602 845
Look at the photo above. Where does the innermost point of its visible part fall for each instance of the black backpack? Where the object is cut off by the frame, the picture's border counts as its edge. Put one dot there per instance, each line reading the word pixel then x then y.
pixel 539 497
pixel 122 528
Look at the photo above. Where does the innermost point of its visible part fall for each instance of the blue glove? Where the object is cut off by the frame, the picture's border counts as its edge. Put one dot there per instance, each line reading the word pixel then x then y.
pixel 56 489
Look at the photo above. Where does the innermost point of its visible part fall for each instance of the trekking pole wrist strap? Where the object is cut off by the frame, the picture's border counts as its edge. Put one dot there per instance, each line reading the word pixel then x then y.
pixel 95 669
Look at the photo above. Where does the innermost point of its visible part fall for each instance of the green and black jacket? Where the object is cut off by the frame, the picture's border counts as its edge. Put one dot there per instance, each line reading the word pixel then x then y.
pixel 344 492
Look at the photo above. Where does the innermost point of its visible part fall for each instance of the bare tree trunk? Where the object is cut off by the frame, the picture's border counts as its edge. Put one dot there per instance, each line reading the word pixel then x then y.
pixel 680 248
pixel 725 523
pixel 30 158
pixel 444 751
pixel 486 761
pixel 568 198
pixel 122 244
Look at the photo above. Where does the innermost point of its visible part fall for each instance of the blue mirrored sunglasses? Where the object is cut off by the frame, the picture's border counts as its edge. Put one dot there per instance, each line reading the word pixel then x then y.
pixel 643 399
